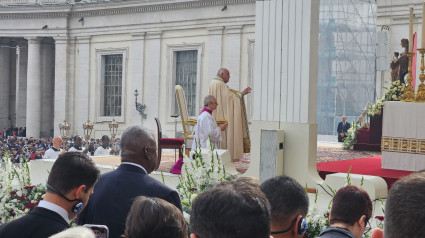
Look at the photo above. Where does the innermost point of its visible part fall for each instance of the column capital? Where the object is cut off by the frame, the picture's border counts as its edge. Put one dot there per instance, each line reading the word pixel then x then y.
pixel 153 35
pixel 32 40
pixel 139 35
pixel 61 40
pixel 216 30
pixel 234 29
pixel 83 39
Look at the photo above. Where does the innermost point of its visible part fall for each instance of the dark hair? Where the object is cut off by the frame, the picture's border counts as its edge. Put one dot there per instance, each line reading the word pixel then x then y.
pixel 404 208
pixel 231 210
pixel 349 204
pixel 72 169
pixel 154 217
pixel 105 137
pixel 396 54
pixel 286 197
pixel 405 42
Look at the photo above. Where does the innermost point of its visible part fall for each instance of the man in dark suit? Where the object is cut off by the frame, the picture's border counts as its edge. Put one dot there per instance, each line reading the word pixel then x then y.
pixel 69 187
pixel 116 190
pixel 342 129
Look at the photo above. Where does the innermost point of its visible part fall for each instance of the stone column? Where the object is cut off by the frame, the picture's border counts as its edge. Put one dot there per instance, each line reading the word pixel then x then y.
pixel 285 84
pixel 233 59
pixel 136 79
pixel 215 46
pixel 33 89
pixel 61 47
pixel 4 84
pixel 17 77
pixel 151 82
pixel 22 94
pixel 82 85
pixel 47 52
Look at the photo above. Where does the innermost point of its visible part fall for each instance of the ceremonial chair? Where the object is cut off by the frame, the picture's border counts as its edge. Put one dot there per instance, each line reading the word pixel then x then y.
pixel 187 123
pixel 168 143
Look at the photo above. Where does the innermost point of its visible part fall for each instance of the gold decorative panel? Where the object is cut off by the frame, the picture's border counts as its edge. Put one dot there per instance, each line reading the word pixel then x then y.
pixel 403 145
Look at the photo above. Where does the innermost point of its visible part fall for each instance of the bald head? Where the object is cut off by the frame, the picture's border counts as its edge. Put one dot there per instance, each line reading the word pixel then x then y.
pixel 224 74
pixel 57 142
pixel 138 146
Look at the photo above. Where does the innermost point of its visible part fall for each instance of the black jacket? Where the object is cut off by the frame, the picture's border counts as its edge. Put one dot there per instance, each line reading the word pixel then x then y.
pixel 335 232
pixel 114 194
pixel 39 223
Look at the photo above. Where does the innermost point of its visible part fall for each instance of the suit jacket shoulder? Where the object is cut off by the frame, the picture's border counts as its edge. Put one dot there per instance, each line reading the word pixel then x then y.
pixel 39 223
pixel 114 194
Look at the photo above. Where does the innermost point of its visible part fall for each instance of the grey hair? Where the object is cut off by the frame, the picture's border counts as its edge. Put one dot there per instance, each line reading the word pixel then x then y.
pixel 220 71
pixel 208 99
pixel 132 139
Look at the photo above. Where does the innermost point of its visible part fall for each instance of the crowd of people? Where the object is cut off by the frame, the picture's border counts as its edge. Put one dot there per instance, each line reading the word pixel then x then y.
pixel 130 203
pixel 20 148
pixel 14 131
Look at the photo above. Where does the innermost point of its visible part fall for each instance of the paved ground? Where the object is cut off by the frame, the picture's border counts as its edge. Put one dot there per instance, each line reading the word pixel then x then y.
pixel 328 149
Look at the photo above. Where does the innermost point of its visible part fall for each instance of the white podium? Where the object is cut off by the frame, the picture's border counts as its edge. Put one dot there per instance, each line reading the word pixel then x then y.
pixel 403 136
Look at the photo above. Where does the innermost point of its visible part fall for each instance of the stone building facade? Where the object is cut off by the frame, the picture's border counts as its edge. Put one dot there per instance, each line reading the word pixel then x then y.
pixel 79 60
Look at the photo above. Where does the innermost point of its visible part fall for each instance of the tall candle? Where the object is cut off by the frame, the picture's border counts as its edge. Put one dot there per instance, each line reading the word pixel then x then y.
pixel 423 26
pixel 411 30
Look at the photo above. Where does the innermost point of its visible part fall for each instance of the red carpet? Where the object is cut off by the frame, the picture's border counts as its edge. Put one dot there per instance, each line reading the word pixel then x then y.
pixel 363 166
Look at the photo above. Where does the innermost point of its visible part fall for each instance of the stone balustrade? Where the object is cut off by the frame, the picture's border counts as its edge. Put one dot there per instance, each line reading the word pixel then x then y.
pixel 42 2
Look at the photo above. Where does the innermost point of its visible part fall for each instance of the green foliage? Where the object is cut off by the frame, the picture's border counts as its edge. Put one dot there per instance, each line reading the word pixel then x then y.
pixel 348 178
pixel 199 175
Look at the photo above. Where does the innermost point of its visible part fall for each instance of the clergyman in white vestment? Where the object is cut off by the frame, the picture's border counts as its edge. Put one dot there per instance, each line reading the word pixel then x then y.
pixel 206 125
pixel 55 150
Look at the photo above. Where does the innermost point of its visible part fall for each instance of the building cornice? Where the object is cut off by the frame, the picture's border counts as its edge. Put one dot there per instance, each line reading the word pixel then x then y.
pixel 107 8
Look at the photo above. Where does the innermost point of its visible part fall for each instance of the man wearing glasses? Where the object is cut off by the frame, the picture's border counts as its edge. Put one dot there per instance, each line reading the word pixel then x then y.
pixel 207 126
pixel 350 214
pixel 289 206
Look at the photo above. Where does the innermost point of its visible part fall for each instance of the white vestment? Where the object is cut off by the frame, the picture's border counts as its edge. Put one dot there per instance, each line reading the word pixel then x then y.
pixel 73 149
pixel 231 108
pixel 205 126
pixel 102 151
pixel 51 154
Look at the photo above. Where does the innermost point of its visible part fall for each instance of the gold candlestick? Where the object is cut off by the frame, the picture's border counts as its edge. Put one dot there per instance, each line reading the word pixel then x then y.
pixel 409 92
pixel 420 96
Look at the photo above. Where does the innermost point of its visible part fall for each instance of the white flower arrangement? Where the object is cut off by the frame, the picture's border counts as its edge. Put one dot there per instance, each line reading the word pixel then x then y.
pixel 317 221
pixel 17 195
pixel 350 139
pixel 199 175
pixel 394 93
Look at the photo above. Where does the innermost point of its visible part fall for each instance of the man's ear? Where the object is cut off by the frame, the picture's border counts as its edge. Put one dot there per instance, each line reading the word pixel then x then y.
pixel 362 221
pixel 193 235
pixel 79 190
pixel 146 153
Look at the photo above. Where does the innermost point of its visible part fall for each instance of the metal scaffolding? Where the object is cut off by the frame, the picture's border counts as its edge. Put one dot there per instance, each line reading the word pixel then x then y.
pixel 347 49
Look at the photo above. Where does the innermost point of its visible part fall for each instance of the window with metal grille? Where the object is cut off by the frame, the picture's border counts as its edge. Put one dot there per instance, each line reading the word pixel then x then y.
pixel 186 69
pixel 112 94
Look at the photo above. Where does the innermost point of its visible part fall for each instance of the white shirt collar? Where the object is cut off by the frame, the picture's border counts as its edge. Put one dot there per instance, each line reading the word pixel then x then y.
pixel 137 165
pixel 55 208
